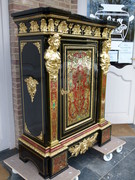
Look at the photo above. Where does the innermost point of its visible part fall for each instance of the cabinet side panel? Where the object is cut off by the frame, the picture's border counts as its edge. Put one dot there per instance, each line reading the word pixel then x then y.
pixel 32 87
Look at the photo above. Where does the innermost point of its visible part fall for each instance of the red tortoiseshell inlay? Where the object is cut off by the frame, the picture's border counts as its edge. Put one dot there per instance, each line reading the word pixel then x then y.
pixel 103 124
pixel 53 97
pixel 55 148
pixel 41 148
pixel 103 96
pixel 106 135
pixel 59 162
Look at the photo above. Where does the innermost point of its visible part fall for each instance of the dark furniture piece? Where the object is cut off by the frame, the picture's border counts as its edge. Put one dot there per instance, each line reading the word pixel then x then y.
pixel 63 63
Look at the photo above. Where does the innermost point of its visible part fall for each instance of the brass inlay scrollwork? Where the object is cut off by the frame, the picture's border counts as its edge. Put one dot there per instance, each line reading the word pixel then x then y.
pixel 22 28
pixel 34 26
pixel 22 46
pixel 26 128
pixel 51 25
pixel 76 29
pixel 52 56
pixel 27 131
pixel 83 146
pixel 105 58
pixel 40 136
pixel 43 26
pixel 37 44
pixel 31 87
pixel 63 92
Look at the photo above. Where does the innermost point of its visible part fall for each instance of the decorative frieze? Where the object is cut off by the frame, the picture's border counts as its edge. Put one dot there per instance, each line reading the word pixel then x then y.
pixel 64 27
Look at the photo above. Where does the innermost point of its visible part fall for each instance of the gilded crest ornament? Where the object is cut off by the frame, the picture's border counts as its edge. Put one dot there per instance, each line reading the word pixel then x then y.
pixel 105 58
pixel 97 32
pixel 22 28
pixel 43 26
pixel 34 26
pixel 52 56
pixel 31 87
pixel 87 30
pixel 83 146
pixel 62 28
pixel 76 29
pixel 106 33
pixel 51 25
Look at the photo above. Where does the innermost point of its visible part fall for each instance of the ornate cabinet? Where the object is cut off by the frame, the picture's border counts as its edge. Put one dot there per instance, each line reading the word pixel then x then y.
pixel 63 65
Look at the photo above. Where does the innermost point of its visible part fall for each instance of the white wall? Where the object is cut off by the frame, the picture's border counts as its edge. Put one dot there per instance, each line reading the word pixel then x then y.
pixel 7 135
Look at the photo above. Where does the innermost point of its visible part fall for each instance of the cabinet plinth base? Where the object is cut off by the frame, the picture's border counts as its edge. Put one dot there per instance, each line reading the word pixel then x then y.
pixel 47 166
pixel 52 160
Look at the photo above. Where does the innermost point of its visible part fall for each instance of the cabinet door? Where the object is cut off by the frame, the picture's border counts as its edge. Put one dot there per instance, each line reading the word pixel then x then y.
pixel 78 86
pixel 32 88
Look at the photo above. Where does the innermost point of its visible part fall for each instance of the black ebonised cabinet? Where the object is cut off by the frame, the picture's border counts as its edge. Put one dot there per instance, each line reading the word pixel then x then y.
pixel 63 63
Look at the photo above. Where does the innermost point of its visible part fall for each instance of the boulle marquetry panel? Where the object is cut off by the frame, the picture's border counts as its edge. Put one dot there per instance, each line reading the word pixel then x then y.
pixel 78 85
pixel 63 65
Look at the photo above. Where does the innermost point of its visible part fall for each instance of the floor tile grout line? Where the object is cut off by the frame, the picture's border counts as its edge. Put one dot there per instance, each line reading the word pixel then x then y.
pixel 117 163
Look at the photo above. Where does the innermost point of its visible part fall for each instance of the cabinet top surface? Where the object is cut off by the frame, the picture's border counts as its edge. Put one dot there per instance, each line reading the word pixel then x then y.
pixel 67 15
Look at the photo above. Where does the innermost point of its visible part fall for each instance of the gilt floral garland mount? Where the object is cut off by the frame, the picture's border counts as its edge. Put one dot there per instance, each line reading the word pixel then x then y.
pixel 84 145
